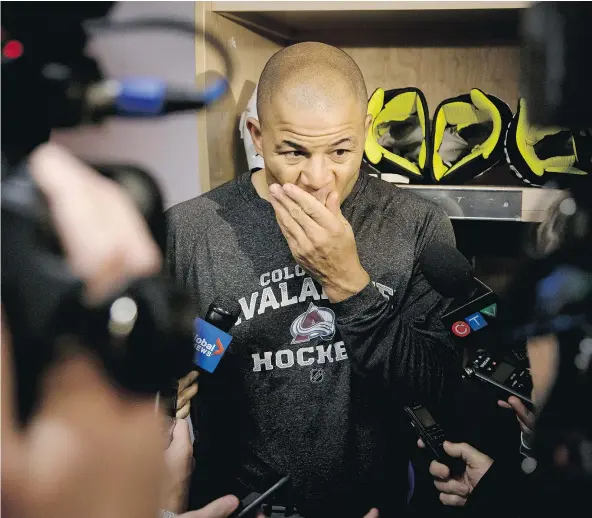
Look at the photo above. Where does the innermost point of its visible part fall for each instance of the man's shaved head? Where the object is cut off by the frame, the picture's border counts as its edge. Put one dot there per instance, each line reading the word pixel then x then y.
pixel 312 121
pixel 311 75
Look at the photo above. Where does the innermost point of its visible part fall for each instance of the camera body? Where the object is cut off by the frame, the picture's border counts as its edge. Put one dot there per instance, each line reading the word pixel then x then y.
pixel 49 85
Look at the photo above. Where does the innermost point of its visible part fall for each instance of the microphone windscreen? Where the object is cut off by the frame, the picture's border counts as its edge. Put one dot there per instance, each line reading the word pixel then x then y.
pixel 223 313
pixel 446 269
pixel 227 305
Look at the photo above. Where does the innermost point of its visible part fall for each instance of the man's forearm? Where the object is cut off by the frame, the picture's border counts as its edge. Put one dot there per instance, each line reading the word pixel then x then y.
pixel 408 354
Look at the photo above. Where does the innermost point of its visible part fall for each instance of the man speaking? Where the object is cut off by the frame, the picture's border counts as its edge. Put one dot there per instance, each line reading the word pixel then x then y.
pixel 338 326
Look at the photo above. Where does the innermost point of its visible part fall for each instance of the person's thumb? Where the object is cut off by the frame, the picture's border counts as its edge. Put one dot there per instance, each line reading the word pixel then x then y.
pixel 466 452
pixel 221 508
pixel 181 432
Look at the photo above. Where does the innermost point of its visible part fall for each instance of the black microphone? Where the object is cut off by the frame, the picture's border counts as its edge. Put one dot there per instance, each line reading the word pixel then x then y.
pixel 474 306
pixel 223 313
pixel 447 270
pixel 474 320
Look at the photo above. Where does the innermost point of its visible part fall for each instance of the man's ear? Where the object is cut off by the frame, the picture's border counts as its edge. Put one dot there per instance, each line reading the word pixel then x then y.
pixel 367 124
pixel 254 127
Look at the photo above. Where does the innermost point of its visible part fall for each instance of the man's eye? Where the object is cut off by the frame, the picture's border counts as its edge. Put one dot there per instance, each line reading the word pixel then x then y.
pixel 341 153
pixel 293 154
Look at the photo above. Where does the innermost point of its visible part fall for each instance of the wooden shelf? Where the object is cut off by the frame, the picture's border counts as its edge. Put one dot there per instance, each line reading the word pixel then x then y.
pixel 405 23
pixel 444 48
pixel 385 5
pixel 481 203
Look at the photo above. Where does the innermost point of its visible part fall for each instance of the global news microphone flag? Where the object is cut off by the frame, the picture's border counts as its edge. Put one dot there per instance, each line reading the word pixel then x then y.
pixel 210 344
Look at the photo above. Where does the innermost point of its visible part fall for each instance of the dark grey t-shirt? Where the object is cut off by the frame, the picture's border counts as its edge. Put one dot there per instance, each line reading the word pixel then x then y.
pixel 307 387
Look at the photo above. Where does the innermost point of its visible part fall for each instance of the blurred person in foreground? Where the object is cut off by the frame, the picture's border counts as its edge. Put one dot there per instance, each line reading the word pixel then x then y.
pixel 90 449
pixel 54 36
pixel 555 476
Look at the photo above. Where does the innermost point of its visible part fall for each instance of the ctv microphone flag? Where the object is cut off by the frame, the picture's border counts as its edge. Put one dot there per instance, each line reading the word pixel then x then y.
pixel 474 322
pixel 210 344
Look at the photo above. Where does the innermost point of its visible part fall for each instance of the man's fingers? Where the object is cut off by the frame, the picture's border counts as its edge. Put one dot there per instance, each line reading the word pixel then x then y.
pixel 373 513
pixel 221 508
pixel 452 500
pixel 287 223
pixel 312 207
pixel 187 380
pixel 452 487
pixel 420 444
pixel 524 415
pixel 439 470
pixel 105 238
pixel 187 395
pixel 181 431
pixel 183 412
pixel 523 428
pixel 333 204
pixel 297 212
pixel 470 456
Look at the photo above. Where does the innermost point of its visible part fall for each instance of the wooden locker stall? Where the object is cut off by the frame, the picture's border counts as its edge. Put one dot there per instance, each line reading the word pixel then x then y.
pixel 444 48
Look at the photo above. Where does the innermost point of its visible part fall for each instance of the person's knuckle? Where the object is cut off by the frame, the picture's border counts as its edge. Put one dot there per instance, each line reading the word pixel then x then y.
pixel 452 499
pixel 319 240
pixel 307 249
pixel 295 211
pixel 336 229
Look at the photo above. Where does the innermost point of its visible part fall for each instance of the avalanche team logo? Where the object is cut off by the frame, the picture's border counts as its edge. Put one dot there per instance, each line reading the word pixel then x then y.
pixel 313 323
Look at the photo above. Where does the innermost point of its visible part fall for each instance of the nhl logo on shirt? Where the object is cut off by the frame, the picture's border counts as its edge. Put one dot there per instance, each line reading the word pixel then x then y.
pixel 315 322
pixel 317 375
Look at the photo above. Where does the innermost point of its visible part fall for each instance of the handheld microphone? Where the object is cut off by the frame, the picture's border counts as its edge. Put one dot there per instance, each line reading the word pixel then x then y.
pixel 474 306
pixel 211 339
pixel 447 270
pixel 211 334
pixel 475 309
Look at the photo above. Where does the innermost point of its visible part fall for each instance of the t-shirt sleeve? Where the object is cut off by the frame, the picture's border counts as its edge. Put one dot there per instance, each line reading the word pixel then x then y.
pixel 178 247
pixel 170 244
pixel 407 350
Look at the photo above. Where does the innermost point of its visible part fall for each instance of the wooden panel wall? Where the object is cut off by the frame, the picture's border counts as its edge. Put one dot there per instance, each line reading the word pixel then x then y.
pixel 221 152
pixel 441 72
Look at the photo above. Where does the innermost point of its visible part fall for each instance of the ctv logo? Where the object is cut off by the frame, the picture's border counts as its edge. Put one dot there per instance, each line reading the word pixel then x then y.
pixel 474 322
